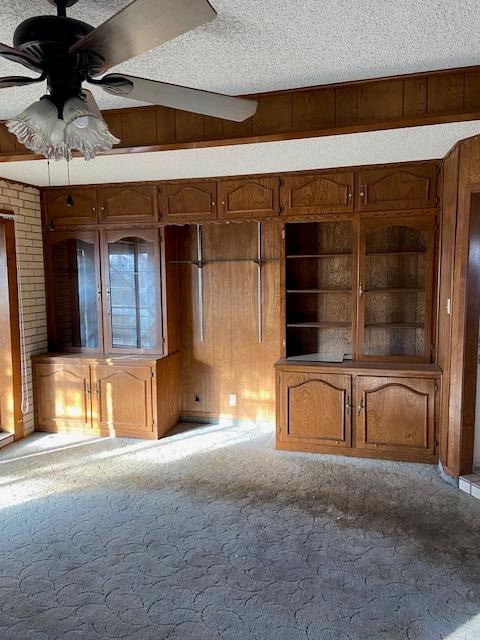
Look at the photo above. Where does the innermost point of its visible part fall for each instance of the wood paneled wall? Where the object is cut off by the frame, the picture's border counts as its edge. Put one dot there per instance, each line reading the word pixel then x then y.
pixel 230 360
pixel 401 101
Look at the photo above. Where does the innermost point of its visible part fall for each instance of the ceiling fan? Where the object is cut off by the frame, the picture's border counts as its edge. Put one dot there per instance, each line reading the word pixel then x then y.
pixel 69 52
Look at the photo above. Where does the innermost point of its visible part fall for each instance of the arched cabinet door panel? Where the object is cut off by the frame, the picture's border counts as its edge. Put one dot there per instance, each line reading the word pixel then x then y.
pixel 248 198
pixel 317 193
pixel 189 201
pixel 122 399
pixel 390 188
pixel 67 207
pixel 395 415
pixel 314 409
pixel 128 204
pixel 62 397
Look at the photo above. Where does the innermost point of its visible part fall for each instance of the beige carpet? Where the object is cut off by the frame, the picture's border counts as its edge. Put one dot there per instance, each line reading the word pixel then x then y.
pixel 212 534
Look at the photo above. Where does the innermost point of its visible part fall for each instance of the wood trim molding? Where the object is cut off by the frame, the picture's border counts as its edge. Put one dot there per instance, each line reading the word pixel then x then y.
pixel 436 97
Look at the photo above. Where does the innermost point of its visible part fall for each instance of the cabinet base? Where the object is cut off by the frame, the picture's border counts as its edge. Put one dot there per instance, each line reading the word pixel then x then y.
pixel 359 453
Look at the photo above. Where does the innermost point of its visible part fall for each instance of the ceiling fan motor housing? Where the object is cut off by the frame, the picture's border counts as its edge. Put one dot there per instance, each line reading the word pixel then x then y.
pixel 49 38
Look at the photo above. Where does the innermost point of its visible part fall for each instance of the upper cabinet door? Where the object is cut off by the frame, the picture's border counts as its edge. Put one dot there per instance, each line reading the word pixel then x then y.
pixel 248 198
pixel 61 211
pixel 189 201
pixel 317 193
pixel 128 204
pixel 391 188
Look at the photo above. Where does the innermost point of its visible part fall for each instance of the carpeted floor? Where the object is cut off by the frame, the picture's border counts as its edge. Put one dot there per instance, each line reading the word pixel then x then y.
pixel 212 534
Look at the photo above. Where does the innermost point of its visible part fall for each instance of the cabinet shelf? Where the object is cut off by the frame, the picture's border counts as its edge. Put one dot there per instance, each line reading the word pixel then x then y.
pixel 319 255
pixel 395 325
pixel 318 325
pixel 396 253
pixel 319 291
pixel 396 290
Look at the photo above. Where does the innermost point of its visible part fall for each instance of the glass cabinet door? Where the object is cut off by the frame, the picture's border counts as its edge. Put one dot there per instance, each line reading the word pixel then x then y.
pixel 395 289
pixel 132 302
pixel 74 287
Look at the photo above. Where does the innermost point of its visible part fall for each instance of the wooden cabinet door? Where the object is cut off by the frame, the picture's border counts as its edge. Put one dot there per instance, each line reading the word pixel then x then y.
pixel 81 210
pixel 122 400
pixel 395 415
pixel 317 193
pixel 189 202
pixel 62 397
pixel 248 198
pixel 396 188
pixel 314 409
pixel 128 204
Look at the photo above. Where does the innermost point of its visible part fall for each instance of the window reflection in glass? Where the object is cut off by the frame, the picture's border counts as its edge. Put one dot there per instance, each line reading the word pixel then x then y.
pixel 75 291
pixel 133 302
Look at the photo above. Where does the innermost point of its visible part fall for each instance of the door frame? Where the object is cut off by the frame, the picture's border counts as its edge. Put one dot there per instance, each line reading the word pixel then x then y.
pixel 11 416
pixel 471 333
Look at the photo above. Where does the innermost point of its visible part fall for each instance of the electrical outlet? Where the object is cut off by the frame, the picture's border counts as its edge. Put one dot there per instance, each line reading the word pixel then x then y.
pixel 232 399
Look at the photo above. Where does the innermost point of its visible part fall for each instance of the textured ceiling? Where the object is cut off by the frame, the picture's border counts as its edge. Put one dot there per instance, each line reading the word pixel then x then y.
pixel 376 147
pixel 261 45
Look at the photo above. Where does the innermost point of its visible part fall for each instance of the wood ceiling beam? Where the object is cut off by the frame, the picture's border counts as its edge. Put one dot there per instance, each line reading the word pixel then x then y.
pixel 435 97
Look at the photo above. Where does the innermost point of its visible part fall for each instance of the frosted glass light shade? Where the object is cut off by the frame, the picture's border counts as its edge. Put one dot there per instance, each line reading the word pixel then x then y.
pixel 40 129
pixel 37 128
pixel 86 130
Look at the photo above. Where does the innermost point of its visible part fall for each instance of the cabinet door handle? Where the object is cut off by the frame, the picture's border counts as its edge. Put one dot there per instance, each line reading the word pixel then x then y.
pixel 349 195
pixel 360 407
pixel 109 303
pixel 348 406
pixel 360 289
pixel 363 193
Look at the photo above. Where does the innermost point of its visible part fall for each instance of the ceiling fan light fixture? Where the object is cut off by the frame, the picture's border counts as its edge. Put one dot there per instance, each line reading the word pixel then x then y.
pixel 85 129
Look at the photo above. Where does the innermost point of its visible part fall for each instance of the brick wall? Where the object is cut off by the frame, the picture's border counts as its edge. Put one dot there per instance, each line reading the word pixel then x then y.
pixel 25 203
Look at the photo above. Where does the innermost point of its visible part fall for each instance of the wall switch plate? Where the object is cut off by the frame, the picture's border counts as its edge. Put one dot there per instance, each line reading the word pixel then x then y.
pixel 232 399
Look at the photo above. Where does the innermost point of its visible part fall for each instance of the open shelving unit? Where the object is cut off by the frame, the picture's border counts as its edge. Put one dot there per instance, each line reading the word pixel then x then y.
pixel 359 289
pixel 319 281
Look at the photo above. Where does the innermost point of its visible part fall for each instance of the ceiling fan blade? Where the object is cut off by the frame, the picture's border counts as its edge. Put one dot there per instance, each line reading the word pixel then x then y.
pixel 177 97
pixel 15 55
pixel 18 81
pixel 141 26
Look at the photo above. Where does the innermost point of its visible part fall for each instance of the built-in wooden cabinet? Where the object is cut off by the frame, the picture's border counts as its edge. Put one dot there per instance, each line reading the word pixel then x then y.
pixel 320 192
pixel 248 197
pixel 315 408
pixel 388 188
pixel 76 206
pixel 389 413
pixel 136 203
pixel 188 201
pixel 109 395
